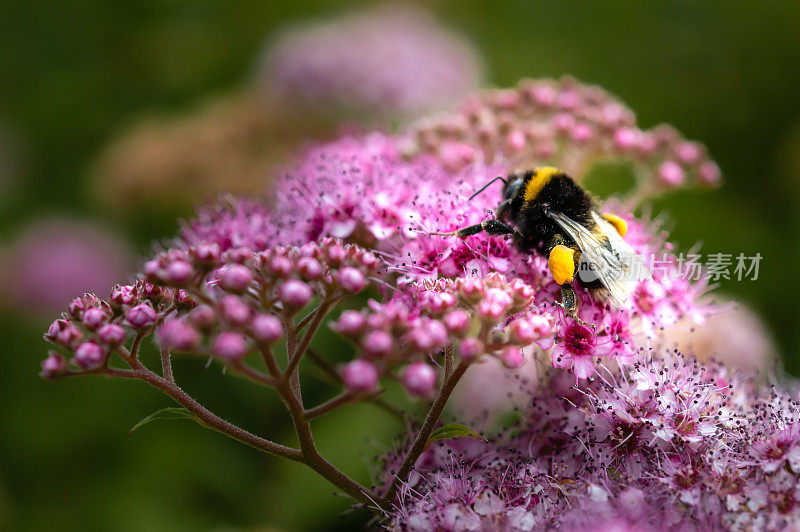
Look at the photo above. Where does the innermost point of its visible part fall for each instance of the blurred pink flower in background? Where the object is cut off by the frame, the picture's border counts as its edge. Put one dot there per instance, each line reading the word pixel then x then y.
pixel 735 337
pixel 51 260
pixel 387 63
pixel 389 60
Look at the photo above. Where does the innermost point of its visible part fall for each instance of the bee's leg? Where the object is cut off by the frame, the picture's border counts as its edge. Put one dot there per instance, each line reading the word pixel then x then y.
pixel 493 227
pixel 562 261
pixel 569 300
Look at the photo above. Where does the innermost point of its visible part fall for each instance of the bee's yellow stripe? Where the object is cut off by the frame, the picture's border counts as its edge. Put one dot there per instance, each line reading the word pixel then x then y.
pixel 618 222
pixel 541 177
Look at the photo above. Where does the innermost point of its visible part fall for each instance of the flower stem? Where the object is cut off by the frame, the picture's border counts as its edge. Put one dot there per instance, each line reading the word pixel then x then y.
pixel 297 353
pixel 431 419
pixel 211 420
pixel 310 455
pixel 166 365
pixel 329 370
pixel 331 405
pixel 253 374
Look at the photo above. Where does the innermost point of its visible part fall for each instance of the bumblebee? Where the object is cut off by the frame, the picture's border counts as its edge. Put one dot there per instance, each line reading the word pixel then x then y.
pixel 547 212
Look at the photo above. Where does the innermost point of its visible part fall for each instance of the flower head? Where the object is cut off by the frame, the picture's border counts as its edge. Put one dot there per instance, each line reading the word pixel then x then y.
pixel 387 60
pixel 53 260
pixel 563 123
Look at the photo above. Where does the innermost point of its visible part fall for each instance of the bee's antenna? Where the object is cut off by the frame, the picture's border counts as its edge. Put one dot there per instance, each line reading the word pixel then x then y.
pixel 484 187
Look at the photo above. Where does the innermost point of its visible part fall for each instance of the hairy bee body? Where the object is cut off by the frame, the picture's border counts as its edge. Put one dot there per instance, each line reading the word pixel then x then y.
pixel 555 190
pixel 548 213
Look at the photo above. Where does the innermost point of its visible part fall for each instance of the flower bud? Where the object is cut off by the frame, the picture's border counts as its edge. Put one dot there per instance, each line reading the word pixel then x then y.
pixel 470 348
pixel 563 122
pixel 177 272
pixel 266 328
pixel 543 95
pixel 295 293
pixel 494 307
pixel 670 173
pixel 206 254
pixel 516 140
pixel 234 277
pixel 688 152
pixel 155 294
pixel 309 268
pixel 350 323
pixel 280 266
pixel 626 138
pixel 111 334
pixel 184 301
pixel 152 269
pixel 647 144
pixel 69 336
pixel 438 302
pixel 124 295
pixel 419 379
pixel 430 335
pixel 613 114
pixel 230 345
pixel 53 366
pixel 568 99
pixel 336 254
pixel 76 307
pixel 141 316
pixel 709 173
pixel 512 357
pixel 359 375
pixel 377 344
pixel 203 317
pixel 457 322
pixel 241 255
pixel 521 332
pixel 351 279
pixel 581 133
pixel 368 260
pixel 471 289
pixel 94 317
pixel 234 310
pixel 521 292
pixel 542 326
pixel 55 328
pixel 89 355
pixel 179 335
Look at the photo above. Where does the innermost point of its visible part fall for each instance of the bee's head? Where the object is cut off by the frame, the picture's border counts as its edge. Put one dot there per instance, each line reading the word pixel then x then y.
pixel 511 188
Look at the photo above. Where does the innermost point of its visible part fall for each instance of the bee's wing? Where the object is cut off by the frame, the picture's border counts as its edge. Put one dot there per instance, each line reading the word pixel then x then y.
pixel 611 260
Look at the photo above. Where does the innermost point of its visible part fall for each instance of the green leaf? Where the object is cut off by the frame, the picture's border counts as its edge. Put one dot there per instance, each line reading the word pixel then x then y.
pixel 173 412
pixel 453 430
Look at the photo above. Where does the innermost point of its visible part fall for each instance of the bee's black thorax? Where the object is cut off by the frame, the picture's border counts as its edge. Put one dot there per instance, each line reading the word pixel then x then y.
pixel 542 191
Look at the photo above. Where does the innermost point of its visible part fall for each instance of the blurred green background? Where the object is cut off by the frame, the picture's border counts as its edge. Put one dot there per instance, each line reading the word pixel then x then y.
pixel 75 73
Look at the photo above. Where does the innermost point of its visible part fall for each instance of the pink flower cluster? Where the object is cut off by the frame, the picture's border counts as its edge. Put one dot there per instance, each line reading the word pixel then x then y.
pixel 669 444
pixel 563 123
pixel 92 329
pixel 389 60
pixel 347 184
pixel 207 301
pixel 476 316
pixel 617 435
